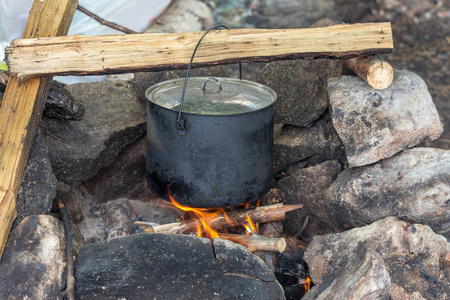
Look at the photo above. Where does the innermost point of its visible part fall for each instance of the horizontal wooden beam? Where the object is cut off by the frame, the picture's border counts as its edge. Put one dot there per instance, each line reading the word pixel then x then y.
pixel 85 55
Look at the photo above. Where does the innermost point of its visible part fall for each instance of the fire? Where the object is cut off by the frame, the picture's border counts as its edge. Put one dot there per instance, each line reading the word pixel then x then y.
pixel 203 216
pixel 250 227
pixel 306 283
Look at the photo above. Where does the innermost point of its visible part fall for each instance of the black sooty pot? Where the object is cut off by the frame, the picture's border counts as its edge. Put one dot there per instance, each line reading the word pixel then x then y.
pixel 214 150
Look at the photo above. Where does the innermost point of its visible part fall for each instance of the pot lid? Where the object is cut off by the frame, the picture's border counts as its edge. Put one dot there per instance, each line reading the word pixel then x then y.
pixel 212 96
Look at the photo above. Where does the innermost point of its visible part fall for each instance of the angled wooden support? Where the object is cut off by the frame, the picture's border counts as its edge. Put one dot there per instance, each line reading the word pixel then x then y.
pixel 82 55
pixel 22 106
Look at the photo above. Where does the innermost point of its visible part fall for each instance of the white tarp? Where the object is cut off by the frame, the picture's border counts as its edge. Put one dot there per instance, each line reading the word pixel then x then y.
pixel 133 14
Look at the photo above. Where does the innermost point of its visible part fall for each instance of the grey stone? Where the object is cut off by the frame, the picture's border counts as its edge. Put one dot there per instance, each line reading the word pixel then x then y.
pixel 61 104
pixel 183 16
pixel 308 186
pixel 113 118
pixel 38 187
pixel 158 266
pixel 301 88
pixel 363 275
pixel 125 177
pixel 32 264
pixel 376 124
pixel 310 145
pixel 413 185
pixel 415 257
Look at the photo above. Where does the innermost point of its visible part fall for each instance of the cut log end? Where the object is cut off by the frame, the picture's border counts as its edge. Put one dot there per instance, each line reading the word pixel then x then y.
pixel 282 245
pixel 380 75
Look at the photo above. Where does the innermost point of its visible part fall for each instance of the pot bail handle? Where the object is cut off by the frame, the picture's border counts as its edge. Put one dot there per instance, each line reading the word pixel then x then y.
pixel 180 122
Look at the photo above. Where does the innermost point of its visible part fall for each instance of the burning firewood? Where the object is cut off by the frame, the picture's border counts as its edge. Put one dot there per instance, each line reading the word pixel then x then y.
pixel 263 214
pixel 256 242
pixel 220 221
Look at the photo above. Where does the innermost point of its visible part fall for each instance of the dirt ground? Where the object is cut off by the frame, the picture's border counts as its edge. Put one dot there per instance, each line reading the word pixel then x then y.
pixel 421 31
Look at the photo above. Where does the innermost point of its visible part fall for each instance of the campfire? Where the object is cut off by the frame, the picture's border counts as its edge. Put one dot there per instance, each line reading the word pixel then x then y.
pixel 345 138
pixel 240 225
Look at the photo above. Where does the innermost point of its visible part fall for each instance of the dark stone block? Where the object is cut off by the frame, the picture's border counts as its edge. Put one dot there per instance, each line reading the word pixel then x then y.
pixel 113 119
pixel 301 88
pixel 38 188
pixel 158 266
pixel 308 186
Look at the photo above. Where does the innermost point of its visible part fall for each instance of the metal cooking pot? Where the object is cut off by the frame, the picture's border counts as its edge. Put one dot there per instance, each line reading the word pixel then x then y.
pixel 212 148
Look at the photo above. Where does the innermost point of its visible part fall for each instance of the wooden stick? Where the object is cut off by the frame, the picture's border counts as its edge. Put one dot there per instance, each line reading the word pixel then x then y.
pixel 273 230
pixel 21 109
pixel 82 55
pixel 68 233
pixel 257 242
pixel 103 21
pixel 263 214
pixel 374 70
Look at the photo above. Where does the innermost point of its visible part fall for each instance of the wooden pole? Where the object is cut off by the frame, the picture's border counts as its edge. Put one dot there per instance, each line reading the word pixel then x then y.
pixel 83 55
pixel 22 106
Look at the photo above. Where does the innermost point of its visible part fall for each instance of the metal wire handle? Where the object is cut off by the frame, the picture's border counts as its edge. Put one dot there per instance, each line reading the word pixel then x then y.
pixel 180 121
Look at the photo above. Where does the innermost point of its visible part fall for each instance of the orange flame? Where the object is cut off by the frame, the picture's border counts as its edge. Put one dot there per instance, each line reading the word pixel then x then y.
pixel 250 227
pixel 306 283
pixel 203 216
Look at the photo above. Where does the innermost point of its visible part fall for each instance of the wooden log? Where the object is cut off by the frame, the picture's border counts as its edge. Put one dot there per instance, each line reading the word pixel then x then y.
pixel 374 70
pixel 272 230
pixel 263 214
pixel 82 55
pixel 257 242
pixel 22 106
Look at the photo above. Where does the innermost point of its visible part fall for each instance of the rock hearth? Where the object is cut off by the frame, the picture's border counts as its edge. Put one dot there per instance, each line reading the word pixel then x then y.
pixel 376 124
pixel 414 257
pixel 412 185
pixel 113 118
pixel 105 152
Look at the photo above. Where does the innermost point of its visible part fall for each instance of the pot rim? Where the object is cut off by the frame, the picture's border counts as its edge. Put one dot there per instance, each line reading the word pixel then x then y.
pixel 272 95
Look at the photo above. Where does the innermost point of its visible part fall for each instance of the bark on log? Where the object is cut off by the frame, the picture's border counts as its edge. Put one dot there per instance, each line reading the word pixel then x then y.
pixel 263 214
pixel 22 106
pixel 374 70
pixel 257 242
pixel 83 55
